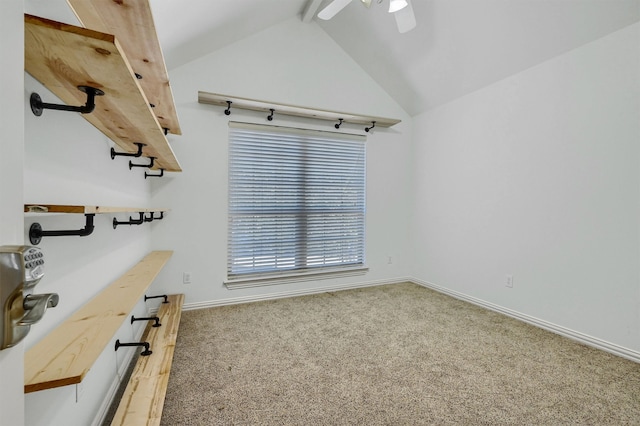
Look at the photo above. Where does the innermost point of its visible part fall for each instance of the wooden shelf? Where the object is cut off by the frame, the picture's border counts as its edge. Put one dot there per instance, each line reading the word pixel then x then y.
pixel 63 57
pixel 132 24
pixel 143 398
pixel 65 356
pixel 297 111
pixel 55 208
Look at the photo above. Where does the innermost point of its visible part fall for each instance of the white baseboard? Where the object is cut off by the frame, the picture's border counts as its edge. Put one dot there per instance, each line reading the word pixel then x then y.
pixel 554 328
pixel 291 293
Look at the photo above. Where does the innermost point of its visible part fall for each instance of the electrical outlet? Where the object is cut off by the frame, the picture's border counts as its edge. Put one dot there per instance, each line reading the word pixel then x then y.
pixel 186 278
pixel 509 281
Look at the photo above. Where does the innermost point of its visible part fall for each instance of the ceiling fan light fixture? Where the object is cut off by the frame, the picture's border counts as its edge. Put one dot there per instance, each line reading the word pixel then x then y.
pixel 396 5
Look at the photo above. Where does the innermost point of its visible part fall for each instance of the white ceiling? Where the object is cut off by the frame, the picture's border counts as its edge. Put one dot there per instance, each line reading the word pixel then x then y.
pixel 458 46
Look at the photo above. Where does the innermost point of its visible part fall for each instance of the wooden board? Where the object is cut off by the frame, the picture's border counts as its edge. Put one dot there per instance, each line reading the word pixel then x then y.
pixel 297 111
pixel 55 208
pixel 131 21
pixel 66 355
pixel 143 398
pixel 63 57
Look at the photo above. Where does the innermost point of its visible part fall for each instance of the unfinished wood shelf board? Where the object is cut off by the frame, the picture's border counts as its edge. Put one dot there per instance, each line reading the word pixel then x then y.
pixel 55 208
pixel 297 111
pixel 66 355
pixel 131 22
pixel 63 57
pixel 143 398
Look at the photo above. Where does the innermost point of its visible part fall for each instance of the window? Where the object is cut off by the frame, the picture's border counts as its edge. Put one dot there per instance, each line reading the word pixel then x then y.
pixel 296 201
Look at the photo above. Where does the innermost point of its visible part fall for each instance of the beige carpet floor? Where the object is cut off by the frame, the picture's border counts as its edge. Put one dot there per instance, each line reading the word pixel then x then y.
pixel 389 355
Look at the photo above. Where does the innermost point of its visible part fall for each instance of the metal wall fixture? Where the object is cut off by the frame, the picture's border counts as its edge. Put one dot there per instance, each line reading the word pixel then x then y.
pixel 131 221
pixel 337 126
pixel 148 166
pixel 115 154
pixel 37 106
pixel 141 219
pixel 228 110
pixel 270 117
pixel 146 351
pixel 146 175
pixel 156 320
pixel 36 232
pixel 165 296
pixel 373 124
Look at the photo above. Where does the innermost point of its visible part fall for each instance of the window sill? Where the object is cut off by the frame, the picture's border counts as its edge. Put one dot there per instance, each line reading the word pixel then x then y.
pixel 264 280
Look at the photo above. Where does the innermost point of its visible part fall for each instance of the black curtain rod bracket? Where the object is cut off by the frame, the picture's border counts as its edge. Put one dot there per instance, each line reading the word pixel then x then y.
pixel 146 351
pixel 115 154
pixel 37 106
pixel 373 124
pixel 36 233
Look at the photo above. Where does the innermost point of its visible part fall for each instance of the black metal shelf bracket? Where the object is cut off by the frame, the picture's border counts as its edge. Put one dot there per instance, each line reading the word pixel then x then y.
pixel 36 233
pixel 146 175
pixel 153 217
pixel 37 106
pixel 148 166
pixel 156 320
pixel 115 154
pixel 146 345
pixel 166 297
pixel 131 221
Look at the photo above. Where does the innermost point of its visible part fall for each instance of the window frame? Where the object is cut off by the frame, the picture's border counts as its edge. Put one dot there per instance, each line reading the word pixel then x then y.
pixel 301 271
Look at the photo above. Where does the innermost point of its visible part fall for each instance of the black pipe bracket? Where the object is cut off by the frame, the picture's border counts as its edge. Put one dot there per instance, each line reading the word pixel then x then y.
pixel 155 319
pixel 166 297
pixel 131 221
pixel 146 175
pixel 37 106
pixel 115 154
pixel 146 345
pixel 36 233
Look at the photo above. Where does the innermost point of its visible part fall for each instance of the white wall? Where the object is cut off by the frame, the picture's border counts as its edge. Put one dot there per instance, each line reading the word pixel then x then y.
pixel 537 176
pixel 11 217
pixel 293 63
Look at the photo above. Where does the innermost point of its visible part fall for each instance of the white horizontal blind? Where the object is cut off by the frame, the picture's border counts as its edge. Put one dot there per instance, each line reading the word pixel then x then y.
pixel 296 200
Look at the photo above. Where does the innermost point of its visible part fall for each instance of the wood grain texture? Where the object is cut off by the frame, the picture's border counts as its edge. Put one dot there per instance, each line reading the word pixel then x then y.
pixel 296 111
pixel 143 398
pixel 67 354
pixel 57 208
pixel 63 57
pixel 131 21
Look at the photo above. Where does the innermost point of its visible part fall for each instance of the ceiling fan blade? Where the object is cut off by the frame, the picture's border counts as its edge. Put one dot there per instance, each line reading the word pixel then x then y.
pixel 405 18
pixel 332 9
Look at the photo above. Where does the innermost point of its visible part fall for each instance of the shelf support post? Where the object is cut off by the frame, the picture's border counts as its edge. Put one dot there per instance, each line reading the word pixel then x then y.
pixel 36 233
pixel 37 106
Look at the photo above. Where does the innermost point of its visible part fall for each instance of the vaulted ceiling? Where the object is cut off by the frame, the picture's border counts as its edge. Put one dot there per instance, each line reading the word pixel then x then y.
pixel 458 46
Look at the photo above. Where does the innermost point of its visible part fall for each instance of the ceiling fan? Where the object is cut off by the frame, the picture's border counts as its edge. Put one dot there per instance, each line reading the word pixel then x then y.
pixel 401 9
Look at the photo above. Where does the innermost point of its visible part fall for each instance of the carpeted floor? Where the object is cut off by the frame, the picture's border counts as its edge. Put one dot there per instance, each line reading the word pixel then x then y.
pixel 389 355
